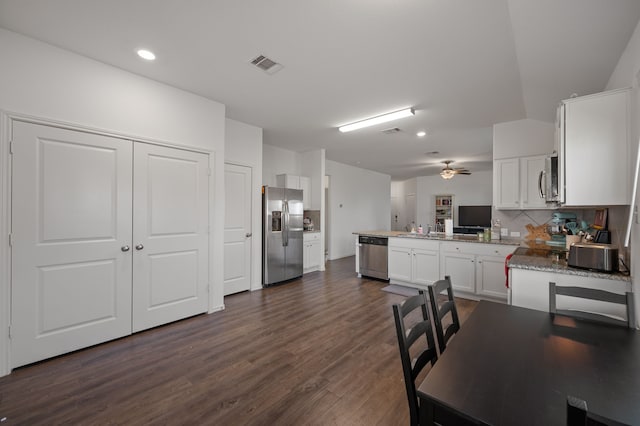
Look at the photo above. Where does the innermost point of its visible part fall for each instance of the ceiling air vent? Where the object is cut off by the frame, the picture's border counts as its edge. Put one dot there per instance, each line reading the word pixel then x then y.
pixel 267 65
pixel 391 131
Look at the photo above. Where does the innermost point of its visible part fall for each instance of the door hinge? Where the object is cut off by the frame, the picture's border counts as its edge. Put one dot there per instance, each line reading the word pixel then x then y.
pixel 11 147
pixel 9 332
pixel 10 240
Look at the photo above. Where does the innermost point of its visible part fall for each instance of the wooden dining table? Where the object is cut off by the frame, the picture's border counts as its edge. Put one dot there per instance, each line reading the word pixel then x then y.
pixel 515 366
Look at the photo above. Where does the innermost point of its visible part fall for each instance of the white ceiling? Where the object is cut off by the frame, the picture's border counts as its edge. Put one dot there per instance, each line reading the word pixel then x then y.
pixel 462 64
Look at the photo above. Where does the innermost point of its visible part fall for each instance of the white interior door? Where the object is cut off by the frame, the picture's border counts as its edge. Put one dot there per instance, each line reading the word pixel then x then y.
pixel 71 215
pixel 237 229
pixel 171 233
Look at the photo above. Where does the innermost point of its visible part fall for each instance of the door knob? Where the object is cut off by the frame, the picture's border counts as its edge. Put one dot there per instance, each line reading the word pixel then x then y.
pixel 124 248
pixel 248 234
pixel 139 247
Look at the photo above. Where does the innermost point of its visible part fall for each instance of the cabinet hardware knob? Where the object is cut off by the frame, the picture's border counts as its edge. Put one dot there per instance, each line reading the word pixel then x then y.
pixel 139 247
pixel 124 248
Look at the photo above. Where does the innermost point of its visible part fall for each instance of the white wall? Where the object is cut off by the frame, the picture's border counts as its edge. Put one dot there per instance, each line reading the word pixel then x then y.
pixel 243 146
pixel 277 161
pixel 359 201
pixel 627 73
pixel 522 138
pixel 46 82
pixel 474 190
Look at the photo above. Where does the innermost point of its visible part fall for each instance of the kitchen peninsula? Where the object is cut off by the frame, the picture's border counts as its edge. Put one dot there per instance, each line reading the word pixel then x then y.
pixel 531 269
pixel 476 266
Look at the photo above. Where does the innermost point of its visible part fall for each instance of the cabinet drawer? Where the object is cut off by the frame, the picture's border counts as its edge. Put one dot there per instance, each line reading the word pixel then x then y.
pixel 496 250
pixel 311 236
pixel 414 243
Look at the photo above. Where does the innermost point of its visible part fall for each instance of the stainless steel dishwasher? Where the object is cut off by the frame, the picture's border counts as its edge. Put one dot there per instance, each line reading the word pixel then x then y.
pixel 373 257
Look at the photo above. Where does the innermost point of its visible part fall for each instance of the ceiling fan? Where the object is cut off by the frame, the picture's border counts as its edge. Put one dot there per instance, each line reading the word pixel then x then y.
pixel 448 172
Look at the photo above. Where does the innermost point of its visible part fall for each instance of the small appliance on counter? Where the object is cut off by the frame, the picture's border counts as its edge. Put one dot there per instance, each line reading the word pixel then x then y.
pixel 596 257
pixel 307 224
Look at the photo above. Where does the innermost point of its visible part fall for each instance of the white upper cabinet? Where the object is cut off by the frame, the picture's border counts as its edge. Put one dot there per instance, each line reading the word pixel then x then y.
pixel 594 149
pixel 506 191
pixel 516 183
pixel 297 182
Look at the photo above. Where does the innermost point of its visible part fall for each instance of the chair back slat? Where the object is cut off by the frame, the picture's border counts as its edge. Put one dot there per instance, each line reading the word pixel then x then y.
pixel 578 415
pixel 441 310
pixel 592 294
pixel 408 335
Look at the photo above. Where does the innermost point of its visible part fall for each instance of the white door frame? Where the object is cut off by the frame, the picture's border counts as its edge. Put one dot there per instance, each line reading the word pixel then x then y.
pixel 6 119
pixel 5 252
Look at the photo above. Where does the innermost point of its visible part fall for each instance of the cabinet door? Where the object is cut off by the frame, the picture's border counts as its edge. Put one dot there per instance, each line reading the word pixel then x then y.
pixel 426 267
pixel 530 169
pixel 460 267
pixel 71 251
pixel 506 184
pixel 400 264
pixel 596 148
pixel 490 278
pixel 314 255
pixel 305 185
pixel 288 181
pixel 170 235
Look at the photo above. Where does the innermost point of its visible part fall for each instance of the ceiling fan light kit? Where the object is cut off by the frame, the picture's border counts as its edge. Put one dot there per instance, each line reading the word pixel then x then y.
pixel 377 120
pixel 449 173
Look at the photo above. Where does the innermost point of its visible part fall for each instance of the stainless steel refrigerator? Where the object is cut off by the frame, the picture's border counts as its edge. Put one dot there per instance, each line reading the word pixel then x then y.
pixel 282 212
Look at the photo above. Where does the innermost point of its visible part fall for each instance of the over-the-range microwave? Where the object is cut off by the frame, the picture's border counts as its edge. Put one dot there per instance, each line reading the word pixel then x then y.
pixel 549 180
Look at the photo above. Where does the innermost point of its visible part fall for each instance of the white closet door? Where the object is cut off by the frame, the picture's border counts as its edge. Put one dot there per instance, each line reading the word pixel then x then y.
pixel 170 216
pixel 71 215
pixel 237 229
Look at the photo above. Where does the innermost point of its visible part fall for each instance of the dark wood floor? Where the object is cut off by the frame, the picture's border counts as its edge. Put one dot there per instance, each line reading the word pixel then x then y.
pixel 318 350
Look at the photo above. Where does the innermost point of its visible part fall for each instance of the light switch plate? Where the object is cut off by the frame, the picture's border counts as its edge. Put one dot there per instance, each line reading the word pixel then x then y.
pixel 504 232
pixel 515 234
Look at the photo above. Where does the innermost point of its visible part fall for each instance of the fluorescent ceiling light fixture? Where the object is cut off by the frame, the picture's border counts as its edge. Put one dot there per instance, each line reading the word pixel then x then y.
pixel 377 120
pixel 146 54
pixel 421 134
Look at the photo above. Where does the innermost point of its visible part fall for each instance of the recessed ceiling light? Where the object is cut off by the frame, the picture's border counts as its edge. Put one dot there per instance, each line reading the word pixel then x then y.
pixel 421 134
pixel 146 54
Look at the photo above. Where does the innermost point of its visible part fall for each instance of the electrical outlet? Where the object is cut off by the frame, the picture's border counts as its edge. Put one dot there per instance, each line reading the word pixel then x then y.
pixel 515 234
pixel 504 232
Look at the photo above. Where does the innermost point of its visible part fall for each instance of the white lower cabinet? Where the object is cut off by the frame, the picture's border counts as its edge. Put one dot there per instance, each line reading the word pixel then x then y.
pixel 413 261
pixel 312 255
pixel 476 269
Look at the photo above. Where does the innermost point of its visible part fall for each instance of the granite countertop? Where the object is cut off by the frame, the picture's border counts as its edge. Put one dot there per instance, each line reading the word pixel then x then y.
pixel 557 263
pixel 467 238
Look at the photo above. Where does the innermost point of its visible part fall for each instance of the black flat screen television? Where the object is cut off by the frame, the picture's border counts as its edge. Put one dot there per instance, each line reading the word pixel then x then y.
pixel 474 216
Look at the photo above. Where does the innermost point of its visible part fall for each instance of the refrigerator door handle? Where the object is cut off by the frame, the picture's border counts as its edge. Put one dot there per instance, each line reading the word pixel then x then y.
pixel 285 224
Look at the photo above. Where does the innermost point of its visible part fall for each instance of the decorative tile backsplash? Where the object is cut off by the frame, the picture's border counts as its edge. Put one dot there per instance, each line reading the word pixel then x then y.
pixel 517 220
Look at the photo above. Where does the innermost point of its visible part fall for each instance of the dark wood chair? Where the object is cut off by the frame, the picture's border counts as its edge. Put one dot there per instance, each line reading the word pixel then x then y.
pixel 592 294
pixel 579 415
pixel 408 333
pixel 441 310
